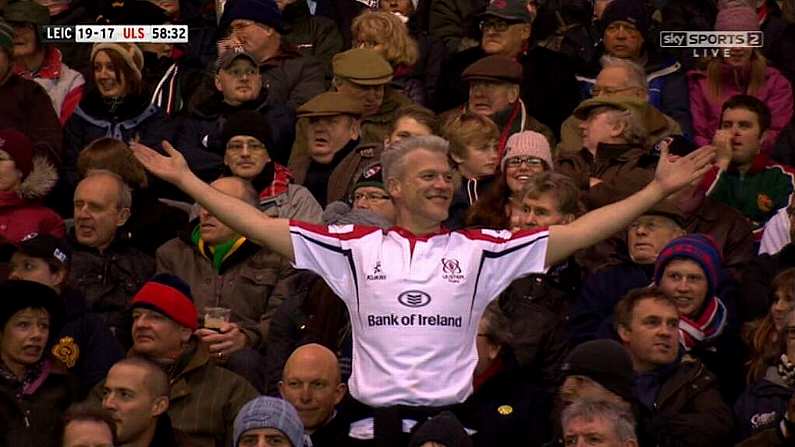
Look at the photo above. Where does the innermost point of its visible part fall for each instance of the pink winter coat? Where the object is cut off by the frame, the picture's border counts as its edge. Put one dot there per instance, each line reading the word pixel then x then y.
pixel 19 217
pixel 776 93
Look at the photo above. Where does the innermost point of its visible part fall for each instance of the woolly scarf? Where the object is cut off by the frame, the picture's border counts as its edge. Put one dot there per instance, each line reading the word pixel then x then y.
pixel 218 253
pixel 707 327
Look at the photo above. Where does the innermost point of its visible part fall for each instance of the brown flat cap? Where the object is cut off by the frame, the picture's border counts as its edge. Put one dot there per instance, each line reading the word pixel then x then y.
pixel 494 68
pixel 330 104
pixel 362 66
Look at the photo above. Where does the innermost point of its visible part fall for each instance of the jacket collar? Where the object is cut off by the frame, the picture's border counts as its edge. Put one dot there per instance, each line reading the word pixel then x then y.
pixel 50 66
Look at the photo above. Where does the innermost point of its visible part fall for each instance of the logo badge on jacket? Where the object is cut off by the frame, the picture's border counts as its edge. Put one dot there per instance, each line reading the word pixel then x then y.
pixel 67 351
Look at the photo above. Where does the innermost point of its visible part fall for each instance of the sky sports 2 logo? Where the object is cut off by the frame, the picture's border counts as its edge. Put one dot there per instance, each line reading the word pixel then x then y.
pixel 711 43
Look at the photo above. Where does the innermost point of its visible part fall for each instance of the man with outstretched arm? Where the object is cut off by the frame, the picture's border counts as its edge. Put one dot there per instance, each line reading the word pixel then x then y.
pixel 415 292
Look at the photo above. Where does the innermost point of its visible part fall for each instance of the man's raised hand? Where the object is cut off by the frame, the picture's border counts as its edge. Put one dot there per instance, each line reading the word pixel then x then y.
pixel 675 173
pixel 173 168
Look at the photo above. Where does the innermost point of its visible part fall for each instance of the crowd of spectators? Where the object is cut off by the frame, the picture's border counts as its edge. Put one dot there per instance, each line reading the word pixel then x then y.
pixel 459 223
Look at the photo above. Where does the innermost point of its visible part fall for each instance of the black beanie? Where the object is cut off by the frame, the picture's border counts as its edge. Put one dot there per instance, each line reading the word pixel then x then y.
pixel 630 11
pixel 443 428
pixel 246 122
pixel 605 362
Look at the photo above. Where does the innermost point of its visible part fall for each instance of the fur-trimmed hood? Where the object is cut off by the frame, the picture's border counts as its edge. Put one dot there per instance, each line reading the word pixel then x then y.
pixel 40 181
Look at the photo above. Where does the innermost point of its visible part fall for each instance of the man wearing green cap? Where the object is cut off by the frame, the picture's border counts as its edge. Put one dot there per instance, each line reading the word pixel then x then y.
pixel 613 162
pixel 41 62
pixel 23 99
pixel 331 128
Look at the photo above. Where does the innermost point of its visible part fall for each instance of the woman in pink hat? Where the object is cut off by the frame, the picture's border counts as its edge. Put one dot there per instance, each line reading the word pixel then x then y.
pixel 744 72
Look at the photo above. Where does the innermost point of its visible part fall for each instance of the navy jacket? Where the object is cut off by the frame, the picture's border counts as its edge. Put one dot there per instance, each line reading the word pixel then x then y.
pixel 762 405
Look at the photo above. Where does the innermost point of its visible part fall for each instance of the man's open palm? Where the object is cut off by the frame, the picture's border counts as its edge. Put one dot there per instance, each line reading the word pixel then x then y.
pixel 674 173
pixel 172 168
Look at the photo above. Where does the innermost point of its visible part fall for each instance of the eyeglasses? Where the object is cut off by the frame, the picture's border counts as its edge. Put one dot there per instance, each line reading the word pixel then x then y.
pixel 494 25
pixel 532 162
pixel 599 91
pixel 370 197
pixel 238 147
pixel 238 73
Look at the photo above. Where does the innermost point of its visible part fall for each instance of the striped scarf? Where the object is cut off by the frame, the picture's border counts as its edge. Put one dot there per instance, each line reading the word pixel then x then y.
pixel 707 327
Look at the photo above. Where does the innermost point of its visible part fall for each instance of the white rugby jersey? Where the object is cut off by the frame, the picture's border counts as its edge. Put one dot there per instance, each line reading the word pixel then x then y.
pixel 415 301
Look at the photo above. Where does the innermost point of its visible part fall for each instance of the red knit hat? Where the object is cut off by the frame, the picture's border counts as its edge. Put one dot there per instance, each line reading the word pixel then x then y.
pixel 171 296
pixel 19 147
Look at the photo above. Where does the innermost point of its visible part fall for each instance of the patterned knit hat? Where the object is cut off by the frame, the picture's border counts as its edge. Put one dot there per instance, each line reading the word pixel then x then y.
pixel 529 143
pixel 698 248
pixel 6 36
pixel 171 296
pixel 130 52
pixel 372 175
pixel 269 412
pixel 737 18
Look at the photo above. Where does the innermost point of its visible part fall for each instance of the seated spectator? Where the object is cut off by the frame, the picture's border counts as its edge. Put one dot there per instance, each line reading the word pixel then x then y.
pixel 224 269
pixel 432 51
pixel 313 35
pixel 332 131
pixel 688 271
pixel 29 320
pixel 744 72
pixel 646 237
pixel 88 425
pixel 385 33
pixel 494 93
pixel 114 105
pixel 681 398
pixel 745 178
pixel 613 162
pixel 538 305
pixel 621 77
pixel 442 430
pixel 256 26
pixel 473 148
pixel 369 193
pixel 756 291
pixel 412 121
pixel 152 222
pixel 246 152
pixel 548 87
pixel 164 323
pixel 365 75
pixel 41 62
pixel 268 421
pixel 764 402
pixel 106 268
pixel 84 345
pixel 625 35
pixel 236 86
pixel 25 179
pixel 526 154
pixel 311 383
pixel 762 336
pixel 588 420
pixel 505 407
pixel 136 393
pixel 22 99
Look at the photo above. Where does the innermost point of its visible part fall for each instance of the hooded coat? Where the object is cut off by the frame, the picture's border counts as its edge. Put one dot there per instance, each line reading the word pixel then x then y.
pixel 21 212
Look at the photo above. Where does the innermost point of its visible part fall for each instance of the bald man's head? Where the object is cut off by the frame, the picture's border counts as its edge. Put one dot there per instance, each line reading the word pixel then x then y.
pixel 311 382
pixel 213 231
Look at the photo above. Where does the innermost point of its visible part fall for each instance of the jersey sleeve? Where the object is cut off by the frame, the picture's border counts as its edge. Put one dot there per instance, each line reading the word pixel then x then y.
pixel 327 251
pixel 508 256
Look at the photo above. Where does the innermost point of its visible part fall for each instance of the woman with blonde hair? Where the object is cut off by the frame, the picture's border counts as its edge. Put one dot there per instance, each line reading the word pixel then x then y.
pixel 762 335
pixel 386 33
pixel 740 71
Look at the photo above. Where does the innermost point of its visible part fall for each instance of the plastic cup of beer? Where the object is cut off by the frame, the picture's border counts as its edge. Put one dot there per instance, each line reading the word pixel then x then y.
pixel 214 317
